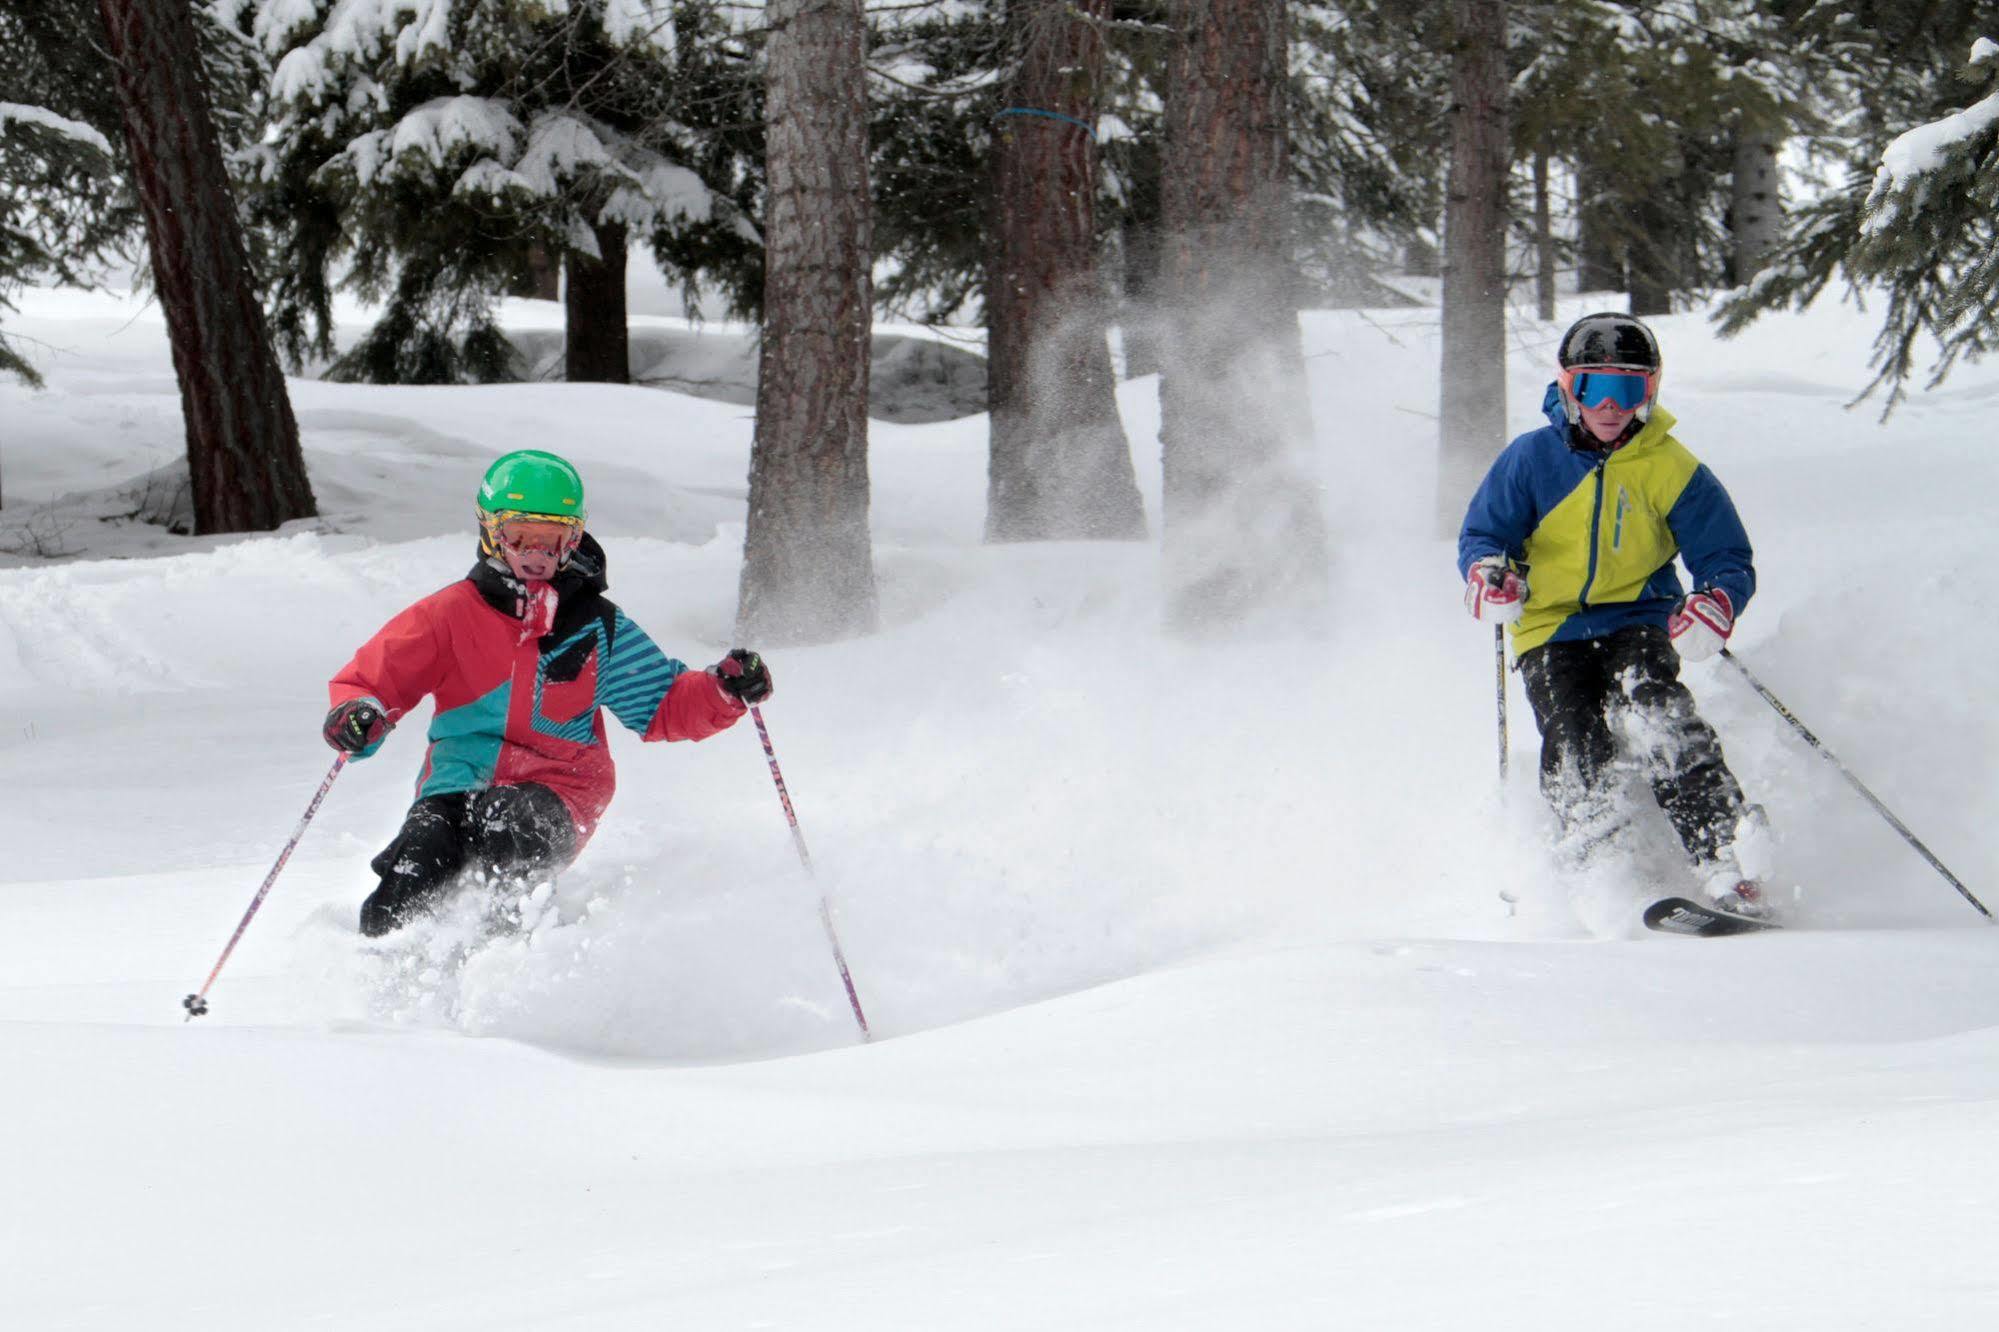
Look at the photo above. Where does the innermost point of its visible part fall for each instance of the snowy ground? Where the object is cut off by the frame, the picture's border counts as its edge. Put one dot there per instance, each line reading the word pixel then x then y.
pixel 1201 1006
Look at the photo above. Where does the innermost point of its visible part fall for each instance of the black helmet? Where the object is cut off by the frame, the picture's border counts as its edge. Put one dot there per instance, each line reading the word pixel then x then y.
pixel 1609 339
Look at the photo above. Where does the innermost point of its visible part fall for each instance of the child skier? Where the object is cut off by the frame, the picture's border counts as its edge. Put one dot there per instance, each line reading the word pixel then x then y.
pixel 520 655
pixel 1570 542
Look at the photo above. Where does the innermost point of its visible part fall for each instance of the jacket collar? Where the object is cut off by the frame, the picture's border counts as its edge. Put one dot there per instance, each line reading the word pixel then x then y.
pixel 578 587
pixel 1657 425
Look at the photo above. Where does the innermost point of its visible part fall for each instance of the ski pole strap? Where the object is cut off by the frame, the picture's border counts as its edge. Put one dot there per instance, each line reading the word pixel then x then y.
pixel 1888 814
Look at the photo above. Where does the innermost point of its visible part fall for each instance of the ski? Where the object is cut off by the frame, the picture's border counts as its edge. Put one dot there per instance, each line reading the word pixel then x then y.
pixel 1683 915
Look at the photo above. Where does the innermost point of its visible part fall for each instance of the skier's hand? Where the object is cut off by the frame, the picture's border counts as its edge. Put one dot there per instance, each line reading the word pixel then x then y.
pixel 356 725
pixel 743 675
pixel 1700 624
pixel 1495 593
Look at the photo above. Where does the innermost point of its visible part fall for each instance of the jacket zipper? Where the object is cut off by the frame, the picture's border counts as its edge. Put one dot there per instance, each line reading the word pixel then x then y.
pixel 1595 536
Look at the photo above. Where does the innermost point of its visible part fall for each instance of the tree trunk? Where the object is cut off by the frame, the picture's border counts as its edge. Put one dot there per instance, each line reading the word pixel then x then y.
pixel 1419 258
pixel 597 345
pixel 1245 538
pixel 1059 464
pixel 1599 252
pixel 1653 267
pixel 1138 317
pixel 1473 418
pixel 1756 211
pixel 246 471
pixel 808 570
pixel 541 280
pixel 1544 243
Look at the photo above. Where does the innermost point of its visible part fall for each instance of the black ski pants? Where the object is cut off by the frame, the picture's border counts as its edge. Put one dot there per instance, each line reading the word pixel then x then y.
pixel 507 833
pixel 1586 696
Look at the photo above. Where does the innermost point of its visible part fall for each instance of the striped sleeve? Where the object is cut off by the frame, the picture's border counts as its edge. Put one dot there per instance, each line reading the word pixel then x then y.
pixel 636 675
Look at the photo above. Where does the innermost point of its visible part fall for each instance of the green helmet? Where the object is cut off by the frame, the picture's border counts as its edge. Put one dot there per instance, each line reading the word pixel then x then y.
pixel 531 481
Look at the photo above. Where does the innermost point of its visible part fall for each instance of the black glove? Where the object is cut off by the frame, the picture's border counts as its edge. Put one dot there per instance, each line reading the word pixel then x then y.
pixel 743 674
pixel 355 725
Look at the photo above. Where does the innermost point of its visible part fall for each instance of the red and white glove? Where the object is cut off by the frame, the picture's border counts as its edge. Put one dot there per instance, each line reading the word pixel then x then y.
pixel 1493 592
pixel 1700 624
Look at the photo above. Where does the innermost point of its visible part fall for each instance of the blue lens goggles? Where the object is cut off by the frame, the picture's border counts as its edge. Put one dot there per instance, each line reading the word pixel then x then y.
pixel 1625 388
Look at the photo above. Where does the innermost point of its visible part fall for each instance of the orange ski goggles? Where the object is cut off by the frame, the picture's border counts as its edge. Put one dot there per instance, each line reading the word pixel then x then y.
pixel 533 533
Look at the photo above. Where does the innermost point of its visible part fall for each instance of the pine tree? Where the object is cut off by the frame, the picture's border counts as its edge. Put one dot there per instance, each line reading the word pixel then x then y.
pixel 1931 236
pixel 63 210
pixel 433 151
pixel 1473 395
pixel 1245 538
pixel 1361 100
pixel 50 167
pixel 246 469
pixel 1654 106
pixel 808 566
pixel 1885 66
pixel 1060 466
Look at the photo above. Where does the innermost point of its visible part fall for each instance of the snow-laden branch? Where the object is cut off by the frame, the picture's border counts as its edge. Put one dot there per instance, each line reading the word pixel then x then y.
pixel 74 130
pixel 1922 150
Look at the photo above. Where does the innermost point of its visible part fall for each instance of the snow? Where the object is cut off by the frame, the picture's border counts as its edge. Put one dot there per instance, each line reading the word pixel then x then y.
pixel 558 145
pixel 1921 150
pixel 17 112
pixel 640 22
pixel 441 126
pixel 1199 1006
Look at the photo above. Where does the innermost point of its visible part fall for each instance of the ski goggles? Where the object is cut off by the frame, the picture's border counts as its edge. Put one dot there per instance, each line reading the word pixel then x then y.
pixel 535 533
pixel 1627 389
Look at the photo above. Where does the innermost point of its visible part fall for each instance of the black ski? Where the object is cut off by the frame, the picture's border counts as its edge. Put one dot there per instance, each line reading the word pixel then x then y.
pixel 1683 915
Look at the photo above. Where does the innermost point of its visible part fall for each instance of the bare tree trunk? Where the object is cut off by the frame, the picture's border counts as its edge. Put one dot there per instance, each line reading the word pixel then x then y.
pixel 1473 425
pixel 1059 464
pixel 597 346
pixel 808 568
pixel 246 471
pixel 1245 537
pixel 1544 242
pixel 1757 205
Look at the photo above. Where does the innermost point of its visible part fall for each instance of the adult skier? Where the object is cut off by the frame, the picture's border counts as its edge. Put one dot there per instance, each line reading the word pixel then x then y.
pixel 1570 542
pixel 520 655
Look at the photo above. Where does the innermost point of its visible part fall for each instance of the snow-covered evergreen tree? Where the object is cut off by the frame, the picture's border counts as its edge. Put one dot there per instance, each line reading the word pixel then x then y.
pixel 50 167
pixel 67 209
pixel 1648 104
pixel 1881 67
pixel 421 151
pixel 1931 234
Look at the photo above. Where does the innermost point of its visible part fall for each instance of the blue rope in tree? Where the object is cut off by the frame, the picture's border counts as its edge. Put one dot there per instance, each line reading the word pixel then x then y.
pixel 1050 115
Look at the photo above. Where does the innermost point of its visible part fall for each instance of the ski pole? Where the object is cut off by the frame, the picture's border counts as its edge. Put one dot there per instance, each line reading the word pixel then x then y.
pixel 1499 684
pixel 805 859
pixel 197 1003
pixel 1855 782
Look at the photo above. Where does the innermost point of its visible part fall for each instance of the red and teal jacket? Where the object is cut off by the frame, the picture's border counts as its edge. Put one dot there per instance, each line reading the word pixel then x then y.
pixel 513 707
pixel 1598 529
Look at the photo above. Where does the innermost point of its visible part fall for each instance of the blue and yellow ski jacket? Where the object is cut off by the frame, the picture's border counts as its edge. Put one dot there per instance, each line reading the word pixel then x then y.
pixel 1597 531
